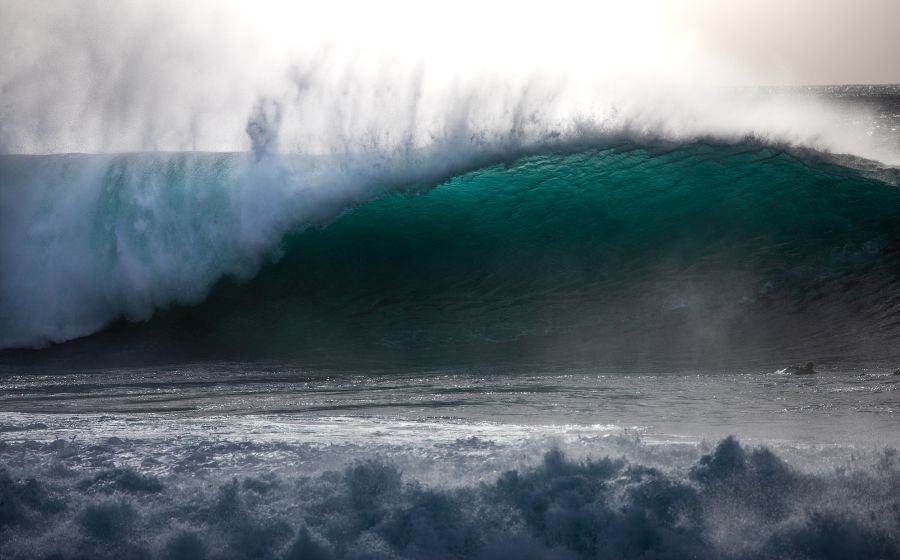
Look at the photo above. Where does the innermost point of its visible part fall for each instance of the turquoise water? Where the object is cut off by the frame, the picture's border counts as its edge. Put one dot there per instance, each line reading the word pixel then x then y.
pixel 698 253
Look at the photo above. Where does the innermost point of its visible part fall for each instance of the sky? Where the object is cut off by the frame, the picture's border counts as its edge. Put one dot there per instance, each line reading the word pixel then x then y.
pixel 777 42
pixel 797 42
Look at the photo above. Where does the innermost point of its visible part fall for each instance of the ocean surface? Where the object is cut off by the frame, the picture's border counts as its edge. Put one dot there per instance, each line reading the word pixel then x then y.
pixel 569 349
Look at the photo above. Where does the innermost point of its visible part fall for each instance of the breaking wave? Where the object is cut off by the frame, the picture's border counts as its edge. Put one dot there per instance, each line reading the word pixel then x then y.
pixel 735 502
pixel 604 250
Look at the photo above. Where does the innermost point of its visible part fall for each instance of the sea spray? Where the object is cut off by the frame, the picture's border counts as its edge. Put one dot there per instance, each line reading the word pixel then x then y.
pixel 70 499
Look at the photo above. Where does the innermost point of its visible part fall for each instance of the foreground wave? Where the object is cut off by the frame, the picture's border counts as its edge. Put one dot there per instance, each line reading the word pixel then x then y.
pixel 70 500
pixel 685 249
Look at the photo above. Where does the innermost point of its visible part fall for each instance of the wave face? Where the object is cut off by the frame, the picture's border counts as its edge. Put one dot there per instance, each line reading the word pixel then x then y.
pixel 71 500
pixel 630 251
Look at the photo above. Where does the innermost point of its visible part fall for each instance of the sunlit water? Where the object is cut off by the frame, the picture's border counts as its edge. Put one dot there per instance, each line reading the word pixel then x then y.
pixel 839 405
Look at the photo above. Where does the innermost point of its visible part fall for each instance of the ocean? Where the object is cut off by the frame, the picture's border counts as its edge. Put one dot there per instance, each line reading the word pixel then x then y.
pixel 570 348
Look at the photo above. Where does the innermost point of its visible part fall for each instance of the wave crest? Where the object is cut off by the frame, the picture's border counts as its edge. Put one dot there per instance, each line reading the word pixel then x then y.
pixel 691 242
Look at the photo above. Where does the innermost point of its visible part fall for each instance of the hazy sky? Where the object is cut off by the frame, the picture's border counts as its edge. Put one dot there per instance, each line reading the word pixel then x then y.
pixel 775 41
pixel 801 41
pixel 129 75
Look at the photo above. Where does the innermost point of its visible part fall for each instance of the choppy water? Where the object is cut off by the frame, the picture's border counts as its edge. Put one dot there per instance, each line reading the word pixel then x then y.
pixel 840 405
pixel 247 461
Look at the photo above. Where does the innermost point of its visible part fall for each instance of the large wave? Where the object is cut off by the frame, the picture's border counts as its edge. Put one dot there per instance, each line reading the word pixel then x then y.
pixel 632 249
pixel 318 116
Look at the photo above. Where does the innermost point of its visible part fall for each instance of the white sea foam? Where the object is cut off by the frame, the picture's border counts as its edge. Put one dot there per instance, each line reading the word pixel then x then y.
pixel 538 492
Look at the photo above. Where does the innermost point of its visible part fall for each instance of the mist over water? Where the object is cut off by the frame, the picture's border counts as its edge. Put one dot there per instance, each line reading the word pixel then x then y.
pixel 331 114
pixel 134 76
pixel 475 281
pixel 314 114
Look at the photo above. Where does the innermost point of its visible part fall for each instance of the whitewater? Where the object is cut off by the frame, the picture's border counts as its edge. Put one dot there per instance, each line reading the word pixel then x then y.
pixel 274 284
